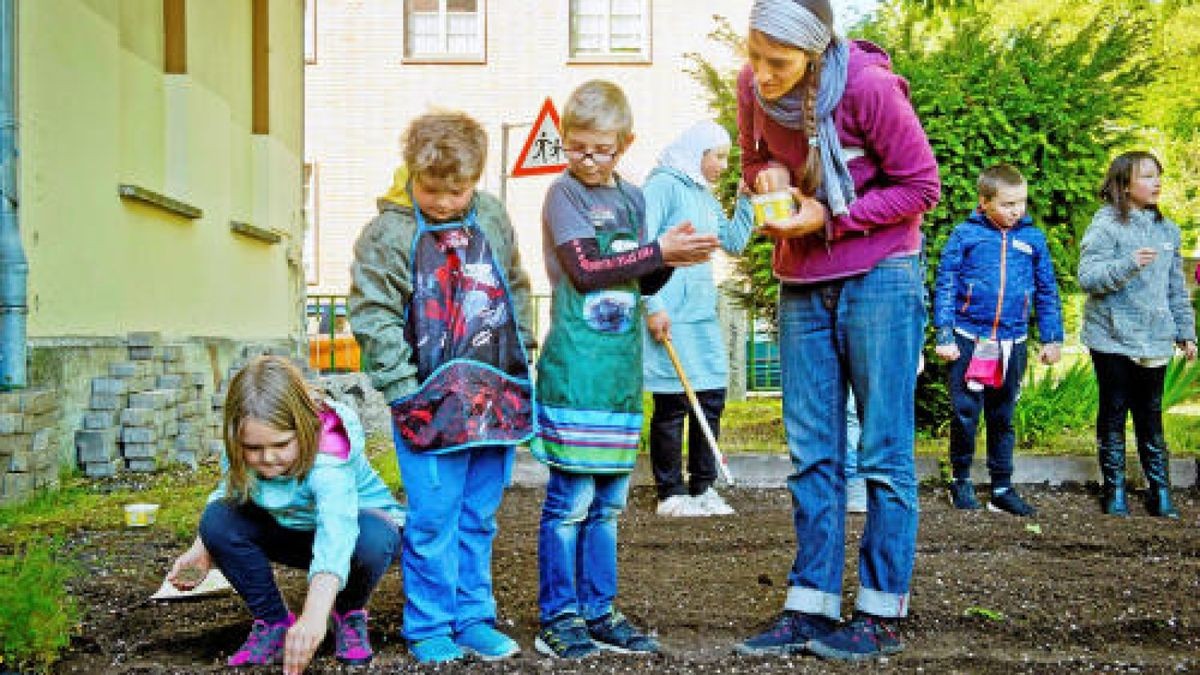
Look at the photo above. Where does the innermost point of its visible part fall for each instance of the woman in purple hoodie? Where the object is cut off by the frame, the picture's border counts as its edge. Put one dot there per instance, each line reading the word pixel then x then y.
pixel 829 116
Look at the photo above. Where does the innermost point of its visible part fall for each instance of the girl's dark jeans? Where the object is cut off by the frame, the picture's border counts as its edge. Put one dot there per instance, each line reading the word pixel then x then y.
pixel 1125 387
pixel 243 540
pixel 666 442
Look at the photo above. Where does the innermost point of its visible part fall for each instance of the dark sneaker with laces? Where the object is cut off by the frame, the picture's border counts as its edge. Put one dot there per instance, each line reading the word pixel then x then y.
pixel 1008 501
pixel 264 646
pixel 790 634
pixel 962 495
pixel 566 637
pixel 864 637
pixel 614 633
pixel 351 645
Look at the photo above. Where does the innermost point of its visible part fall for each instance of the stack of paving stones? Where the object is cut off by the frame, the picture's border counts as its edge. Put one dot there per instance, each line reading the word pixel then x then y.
pixel 28 419
pixel 147 412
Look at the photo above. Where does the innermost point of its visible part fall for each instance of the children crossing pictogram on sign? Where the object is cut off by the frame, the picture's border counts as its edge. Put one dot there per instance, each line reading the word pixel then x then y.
pixel 542 152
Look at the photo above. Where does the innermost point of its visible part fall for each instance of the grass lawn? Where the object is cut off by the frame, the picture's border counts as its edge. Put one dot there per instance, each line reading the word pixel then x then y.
pixel 756 425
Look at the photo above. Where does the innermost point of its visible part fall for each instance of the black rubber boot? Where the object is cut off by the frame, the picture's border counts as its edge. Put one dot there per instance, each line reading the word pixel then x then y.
pixel 1111 452
pixel 1153 454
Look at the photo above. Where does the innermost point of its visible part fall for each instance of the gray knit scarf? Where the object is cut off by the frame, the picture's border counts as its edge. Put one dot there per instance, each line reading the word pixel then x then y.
pixel 789 22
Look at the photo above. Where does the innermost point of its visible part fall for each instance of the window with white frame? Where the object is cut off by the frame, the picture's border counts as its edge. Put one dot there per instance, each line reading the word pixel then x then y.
pixel 444 29
pixel 610 29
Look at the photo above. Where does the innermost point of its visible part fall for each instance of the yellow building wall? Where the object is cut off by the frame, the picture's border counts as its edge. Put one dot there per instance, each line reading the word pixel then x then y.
pixel 96 111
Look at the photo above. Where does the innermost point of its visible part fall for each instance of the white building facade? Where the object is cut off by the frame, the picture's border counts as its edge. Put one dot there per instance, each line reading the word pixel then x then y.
pixel 373 65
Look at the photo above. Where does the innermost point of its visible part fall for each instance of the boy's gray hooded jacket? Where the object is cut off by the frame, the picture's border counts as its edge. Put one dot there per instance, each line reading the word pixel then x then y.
pixel 381 284
pixel 1138 312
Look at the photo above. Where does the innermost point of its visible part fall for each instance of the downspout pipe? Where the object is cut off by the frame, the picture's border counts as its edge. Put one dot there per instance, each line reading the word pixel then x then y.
pixel 14 268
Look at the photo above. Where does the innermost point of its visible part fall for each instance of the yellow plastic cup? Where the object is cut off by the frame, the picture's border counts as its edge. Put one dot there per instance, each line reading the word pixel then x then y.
pixel 140 515
pixel 772 206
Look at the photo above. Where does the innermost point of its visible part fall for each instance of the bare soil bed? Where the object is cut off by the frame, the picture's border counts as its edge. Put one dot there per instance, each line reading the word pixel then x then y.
pixel 990 595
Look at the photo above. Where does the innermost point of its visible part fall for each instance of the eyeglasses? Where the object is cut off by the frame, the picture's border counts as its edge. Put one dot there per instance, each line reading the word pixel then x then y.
pixel 597 157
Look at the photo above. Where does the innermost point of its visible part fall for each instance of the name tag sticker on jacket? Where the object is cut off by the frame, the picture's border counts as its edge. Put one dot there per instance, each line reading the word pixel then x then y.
pixel 1023 247
pixel 1168 247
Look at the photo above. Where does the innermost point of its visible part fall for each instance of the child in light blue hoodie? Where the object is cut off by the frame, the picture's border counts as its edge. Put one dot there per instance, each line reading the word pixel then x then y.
pixel 296 489
pixel 684 311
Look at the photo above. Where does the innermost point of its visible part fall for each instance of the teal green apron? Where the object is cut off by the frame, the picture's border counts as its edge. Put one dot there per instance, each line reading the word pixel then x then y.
pixel 589 374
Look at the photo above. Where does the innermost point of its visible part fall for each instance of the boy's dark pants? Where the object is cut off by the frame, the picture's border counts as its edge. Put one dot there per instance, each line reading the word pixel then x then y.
pixel 997 406
pixel 243 540
pixel 666 442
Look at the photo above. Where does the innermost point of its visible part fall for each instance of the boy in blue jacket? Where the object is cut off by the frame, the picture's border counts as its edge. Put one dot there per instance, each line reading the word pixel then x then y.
pixel 995 264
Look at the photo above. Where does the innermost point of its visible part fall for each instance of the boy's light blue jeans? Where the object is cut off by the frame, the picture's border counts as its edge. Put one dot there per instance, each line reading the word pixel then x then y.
pixel 577 544
pixel 448 533
pixel 869 340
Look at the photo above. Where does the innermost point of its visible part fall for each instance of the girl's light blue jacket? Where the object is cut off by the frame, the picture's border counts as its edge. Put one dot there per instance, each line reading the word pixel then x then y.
pixel 1138 312
pixel 326 500
pixel 690 297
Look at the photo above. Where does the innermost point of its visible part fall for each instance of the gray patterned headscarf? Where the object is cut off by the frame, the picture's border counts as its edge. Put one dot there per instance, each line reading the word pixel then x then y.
pixel 790 22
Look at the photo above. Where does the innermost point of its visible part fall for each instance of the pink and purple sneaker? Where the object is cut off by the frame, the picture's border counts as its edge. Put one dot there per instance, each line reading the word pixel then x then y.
pixel 350 637
pixel 265 644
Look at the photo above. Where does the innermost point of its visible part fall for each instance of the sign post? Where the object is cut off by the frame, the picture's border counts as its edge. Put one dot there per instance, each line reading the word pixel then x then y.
pixel 542 152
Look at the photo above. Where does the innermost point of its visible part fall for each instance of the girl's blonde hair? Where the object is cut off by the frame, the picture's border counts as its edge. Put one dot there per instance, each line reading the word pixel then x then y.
pixel 598 105
pixel 270 390
pixel 447 146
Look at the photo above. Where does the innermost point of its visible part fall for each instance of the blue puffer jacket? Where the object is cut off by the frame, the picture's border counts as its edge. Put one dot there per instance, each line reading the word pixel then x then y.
pixel 989 277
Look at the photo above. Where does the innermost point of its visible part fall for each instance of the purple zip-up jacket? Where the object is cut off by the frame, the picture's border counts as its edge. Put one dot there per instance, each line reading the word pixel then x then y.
pixel 895 178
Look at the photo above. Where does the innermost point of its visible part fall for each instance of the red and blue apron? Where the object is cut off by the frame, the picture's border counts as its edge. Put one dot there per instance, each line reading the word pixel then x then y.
pixel 474 372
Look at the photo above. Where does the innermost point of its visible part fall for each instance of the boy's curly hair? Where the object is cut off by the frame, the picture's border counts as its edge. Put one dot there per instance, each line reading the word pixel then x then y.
pixel 446 145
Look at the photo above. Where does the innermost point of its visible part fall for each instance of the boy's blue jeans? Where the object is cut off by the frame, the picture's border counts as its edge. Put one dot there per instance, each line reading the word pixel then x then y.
pixel 577 544
pixel 243 540
pixel 867 337
pixel 448 534
pixel 997 407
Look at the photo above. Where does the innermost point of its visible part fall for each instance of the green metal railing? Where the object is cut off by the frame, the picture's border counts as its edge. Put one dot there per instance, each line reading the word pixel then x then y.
pixel 762 355
pixel 327 316
pixel 330 313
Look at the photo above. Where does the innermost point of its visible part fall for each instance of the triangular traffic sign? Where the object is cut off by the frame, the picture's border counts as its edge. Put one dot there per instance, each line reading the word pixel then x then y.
pixel 543 151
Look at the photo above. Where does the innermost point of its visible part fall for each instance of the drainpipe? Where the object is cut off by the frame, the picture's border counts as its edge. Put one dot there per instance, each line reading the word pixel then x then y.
pixel 14 268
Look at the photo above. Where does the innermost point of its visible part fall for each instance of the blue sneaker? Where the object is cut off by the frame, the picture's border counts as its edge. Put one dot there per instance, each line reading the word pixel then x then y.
pixel 864 637
pixel 566 637
pixel 790 634
pixel 1008 501
pixel 487 643
pixel 440 649
pixel 962 494
pixel 614 633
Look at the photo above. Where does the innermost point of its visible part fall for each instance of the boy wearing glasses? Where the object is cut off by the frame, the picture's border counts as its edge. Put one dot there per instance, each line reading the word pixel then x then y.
pixel 589 383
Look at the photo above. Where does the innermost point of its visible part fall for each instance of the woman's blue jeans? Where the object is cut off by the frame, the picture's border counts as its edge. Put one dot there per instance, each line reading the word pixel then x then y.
pixel 243 540
pixel 577 544
pixel 863 333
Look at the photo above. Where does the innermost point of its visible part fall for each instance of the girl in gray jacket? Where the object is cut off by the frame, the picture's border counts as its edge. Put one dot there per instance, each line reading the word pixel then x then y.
pixel 1137 311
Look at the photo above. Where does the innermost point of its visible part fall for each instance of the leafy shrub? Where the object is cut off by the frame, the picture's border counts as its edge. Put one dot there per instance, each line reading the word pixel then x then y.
pixel 1051 403
pixel 37 616
pixel 1181 383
